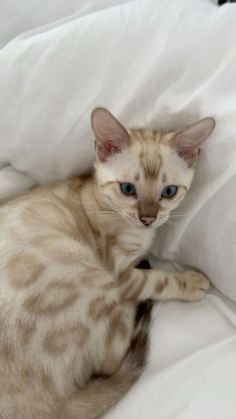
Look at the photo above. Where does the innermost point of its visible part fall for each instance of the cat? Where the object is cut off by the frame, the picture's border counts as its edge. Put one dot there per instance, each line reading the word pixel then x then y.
pixel 71 341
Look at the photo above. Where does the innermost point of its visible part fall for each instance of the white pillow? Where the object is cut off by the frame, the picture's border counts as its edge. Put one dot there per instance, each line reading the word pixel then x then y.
pixel 152 63
pixel 17 17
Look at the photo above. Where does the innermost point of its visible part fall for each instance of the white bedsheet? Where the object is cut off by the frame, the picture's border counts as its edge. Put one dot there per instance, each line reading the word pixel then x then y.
pixel 191 373
pixel 12 182
pixel 152 63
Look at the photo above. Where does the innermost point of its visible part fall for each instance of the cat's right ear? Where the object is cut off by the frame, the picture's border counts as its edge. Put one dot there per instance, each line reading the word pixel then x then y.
pixel 110 135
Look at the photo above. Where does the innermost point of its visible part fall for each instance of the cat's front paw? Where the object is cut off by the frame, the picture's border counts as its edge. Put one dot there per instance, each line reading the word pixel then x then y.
pixel 193 285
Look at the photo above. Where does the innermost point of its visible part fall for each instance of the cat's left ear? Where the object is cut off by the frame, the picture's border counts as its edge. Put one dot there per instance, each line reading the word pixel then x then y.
pixel 189 141
pixel 110 135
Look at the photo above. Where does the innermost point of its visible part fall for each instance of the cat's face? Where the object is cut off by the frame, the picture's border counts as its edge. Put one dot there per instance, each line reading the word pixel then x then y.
pixel 144 174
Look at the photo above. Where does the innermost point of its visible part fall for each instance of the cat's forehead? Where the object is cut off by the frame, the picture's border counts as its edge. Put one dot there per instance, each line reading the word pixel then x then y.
pixel 150 148
pixel 149 159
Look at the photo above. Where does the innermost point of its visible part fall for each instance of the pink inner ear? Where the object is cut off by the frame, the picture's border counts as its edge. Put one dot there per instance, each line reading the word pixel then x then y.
pixel 110 134
pixel 106 149
pixel 188 155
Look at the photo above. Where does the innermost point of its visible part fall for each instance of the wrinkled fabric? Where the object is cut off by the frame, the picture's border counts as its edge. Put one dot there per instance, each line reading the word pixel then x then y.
pixel 152 64
pixel 156 64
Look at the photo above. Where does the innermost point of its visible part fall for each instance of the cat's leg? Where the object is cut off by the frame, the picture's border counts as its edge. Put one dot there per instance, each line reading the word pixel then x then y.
pixel 101 393
pixel 116 336
pixel 115 322
pixel 140 285
pixel 137 285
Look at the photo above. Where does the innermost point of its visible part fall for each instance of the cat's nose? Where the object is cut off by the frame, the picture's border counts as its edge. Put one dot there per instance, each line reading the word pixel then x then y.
pixel 147 221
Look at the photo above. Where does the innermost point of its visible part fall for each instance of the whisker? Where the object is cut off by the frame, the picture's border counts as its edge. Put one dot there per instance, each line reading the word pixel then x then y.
pixel 162 227
pixel 177 212
pixel 172 222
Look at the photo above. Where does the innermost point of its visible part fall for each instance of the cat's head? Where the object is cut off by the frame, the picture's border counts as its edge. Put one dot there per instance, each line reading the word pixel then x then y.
pixel 145 174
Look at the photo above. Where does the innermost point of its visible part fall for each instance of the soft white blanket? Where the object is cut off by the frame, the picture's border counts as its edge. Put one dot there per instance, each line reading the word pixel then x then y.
pixel 153 63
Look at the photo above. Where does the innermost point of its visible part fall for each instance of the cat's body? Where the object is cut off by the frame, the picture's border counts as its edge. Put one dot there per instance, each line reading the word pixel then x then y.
pixel 69 289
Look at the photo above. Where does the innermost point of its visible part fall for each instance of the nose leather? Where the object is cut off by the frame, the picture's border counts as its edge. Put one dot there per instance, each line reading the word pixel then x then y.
pixel 148 212
pixel 147 221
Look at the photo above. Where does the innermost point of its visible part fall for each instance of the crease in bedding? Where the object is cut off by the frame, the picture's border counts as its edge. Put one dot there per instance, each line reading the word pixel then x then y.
pixel 191 372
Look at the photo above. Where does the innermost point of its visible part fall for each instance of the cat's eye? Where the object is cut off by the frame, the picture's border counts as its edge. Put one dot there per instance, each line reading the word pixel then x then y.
pixel 169 191
pixel 127 189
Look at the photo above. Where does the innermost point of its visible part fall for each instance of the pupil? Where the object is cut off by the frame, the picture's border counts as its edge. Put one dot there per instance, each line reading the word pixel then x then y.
pixel 168 191
pixel 128 188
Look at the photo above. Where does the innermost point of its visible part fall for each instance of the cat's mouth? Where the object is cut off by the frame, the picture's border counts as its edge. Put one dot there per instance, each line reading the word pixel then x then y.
pixel 136 222
pixel 155 224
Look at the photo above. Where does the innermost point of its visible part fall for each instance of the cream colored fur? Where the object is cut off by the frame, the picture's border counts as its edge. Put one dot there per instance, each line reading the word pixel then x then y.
pixel 69 289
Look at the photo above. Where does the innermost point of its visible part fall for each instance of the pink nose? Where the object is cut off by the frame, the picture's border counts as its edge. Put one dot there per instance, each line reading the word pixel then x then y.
pixel 147 221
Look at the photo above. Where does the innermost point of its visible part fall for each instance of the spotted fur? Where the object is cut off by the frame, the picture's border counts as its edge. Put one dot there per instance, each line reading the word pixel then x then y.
pixel 70 342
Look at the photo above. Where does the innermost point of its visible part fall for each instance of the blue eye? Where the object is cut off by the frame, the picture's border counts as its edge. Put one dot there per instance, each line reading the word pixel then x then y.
pixel 169 191
pixel 127 189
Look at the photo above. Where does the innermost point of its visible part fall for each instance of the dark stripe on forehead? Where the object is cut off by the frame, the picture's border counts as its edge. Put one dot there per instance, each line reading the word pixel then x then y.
pixel 149 155
pixel 151 162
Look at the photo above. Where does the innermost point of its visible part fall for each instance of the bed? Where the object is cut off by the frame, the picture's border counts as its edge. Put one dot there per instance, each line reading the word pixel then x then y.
pixel 152 63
